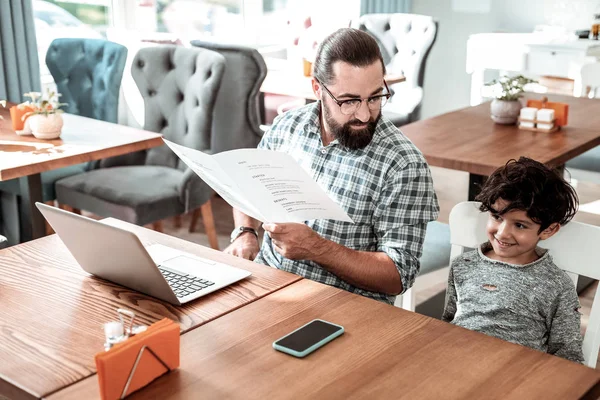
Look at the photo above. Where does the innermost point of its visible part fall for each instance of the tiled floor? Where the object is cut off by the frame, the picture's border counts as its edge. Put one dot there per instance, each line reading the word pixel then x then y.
pixel 451 188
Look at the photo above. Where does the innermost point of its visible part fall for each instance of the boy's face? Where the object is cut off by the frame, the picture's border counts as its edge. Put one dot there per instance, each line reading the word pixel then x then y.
pixel 514 235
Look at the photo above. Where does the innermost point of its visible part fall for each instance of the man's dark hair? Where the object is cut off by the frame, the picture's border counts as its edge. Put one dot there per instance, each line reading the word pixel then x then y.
pixel 348 45
pixel 532 187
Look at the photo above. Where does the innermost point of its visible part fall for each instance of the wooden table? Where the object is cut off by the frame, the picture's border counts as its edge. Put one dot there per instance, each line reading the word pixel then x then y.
pixel 386 352
pixel 286 79
pixel 468 140
pixel 52 312
pixel 83 139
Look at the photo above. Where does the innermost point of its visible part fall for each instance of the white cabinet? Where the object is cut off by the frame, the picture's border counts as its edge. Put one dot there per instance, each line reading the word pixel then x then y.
pixel 551 62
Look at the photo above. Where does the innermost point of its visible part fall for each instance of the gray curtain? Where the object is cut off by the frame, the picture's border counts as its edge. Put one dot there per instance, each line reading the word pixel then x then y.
pixel 384 6
pixel 19 68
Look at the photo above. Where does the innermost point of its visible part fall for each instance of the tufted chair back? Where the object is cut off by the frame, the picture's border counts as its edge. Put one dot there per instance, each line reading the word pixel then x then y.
pixel 405 41
pixel 179 87
pixel 88 74
pixel 237 112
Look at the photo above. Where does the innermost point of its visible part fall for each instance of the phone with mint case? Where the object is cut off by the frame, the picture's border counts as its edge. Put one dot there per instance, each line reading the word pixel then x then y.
pixel 308 338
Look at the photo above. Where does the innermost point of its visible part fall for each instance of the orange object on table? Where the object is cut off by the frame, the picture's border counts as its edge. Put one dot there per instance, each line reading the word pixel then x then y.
pixel 134 363
pixel 561 110
pixel 307 67
pixel 16 115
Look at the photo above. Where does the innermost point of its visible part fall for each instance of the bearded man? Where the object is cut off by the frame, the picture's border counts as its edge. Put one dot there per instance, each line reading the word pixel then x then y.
pixel 365 164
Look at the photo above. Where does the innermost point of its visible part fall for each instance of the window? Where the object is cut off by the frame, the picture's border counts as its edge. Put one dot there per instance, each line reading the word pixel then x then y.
pixel 55 19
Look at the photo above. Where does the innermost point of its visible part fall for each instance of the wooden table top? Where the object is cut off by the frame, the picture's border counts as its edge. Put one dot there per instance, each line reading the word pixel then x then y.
pixel 468 140
pixel 52 312
pixel 386 352
pixel 288 80
pixel 82 139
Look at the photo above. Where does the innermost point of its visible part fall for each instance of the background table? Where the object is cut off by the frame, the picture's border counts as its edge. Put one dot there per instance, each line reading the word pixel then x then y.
pixel 468 140
pixel 386 352
pixel 82 140
pixel 52 312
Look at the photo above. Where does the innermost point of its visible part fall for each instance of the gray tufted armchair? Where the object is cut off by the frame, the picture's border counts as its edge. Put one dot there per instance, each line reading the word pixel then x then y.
pixel 405 41
pixel 179 87
pixel 236 121
pixel 237 112
pixel 88 73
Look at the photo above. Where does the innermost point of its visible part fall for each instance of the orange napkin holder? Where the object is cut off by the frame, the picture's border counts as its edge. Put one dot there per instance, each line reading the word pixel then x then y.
pixel 134 363
pixel 561 110
pixel 16 115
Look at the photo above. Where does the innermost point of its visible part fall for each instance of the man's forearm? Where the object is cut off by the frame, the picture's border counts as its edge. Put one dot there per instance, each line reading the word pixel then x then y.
pixel 374 271
pixel 241 219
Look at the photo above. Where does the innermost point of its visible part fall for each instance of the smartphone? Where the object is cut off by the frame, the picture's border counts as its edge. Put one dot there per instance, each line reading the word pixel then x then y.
pixel 308 338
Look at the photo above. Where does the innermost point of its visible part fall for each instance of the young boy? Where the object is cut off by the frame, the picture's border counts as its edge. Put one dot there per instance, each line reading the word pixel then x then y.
pixel 510 288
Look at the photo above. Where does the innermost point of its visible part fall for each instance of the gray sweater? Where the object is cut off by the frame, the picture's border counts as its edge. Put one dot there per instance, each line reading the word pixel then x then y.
pixel 534 305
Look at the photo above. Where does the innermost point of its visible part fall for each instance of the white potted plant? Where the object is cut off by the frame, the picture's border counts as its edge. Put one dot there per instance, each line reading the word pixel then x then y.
pixel 507 90
pixel 45 120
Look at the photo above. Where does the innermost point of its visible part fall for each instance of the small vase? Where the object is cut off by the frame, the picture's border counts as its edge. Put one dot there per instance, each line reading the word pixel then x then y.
pixel 504 111
pixel 46 126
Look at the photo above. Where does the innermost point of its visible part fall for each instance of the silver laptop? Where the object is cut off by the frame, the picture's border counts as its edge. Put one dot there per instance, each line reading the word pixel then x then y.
pixel 117 255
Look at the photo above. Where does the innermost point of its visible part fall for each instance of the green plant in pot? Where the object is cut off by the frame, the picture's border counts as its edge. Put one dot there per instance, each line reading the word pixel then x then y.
pixel 507 90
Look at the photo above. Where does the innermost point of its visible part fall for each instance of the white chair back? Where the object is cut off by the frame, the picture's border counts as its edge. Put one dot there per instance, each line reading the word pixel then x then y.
pixel 588 78
pixel 572 249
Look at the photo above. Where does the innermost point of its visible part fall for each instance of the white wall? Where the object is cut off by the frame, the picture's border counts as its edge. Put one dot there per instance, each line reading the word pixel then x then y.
pixel 447 84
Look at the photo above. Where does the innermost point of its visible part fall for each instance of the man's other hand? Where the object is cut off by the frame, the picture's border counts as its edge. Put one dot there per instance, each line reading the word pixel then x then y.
pixel 245 246
pixel 295 241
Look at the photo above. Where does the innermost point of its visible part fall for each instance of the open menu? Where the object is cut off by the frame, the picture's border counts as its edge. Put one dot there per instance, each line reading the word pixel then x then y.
pixel 267 185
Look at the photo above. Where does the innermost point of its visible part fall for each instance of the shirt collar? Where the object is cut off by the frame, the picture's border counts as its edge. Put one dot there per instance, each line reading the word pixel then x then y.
pixel 485 247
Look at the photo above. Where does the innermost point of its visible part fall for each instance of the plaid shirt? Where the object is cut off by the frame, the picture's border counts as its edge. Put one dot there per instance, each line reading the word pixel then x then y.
pixel 386 188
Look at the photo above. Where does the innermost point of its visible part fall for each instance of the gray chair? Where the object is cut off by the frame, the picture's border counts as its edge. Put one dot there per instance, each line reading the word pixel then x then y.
pixel 179 87
pixel 405 41
pixel 588 161
pixel 236 119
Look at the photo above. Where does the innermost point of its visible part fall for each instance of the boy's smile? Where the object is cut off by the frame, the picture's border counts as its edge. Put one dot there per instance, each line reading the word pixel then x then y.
pixel 514 236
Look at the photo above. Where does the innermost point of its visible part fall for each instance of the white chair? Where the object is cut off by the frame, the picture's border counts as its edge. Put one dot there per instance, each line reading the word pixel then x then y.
pixel 574 249
pixel 587 81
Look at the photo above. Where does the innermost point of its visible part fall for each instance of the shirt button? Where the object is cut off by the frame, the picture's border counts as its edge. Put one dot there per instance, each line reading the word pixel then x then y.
pixel 323 151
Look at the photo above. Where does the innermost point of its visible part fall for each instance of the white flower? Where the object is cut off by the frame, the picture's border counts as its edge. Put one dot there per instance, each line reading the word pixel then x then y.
pixel 33 95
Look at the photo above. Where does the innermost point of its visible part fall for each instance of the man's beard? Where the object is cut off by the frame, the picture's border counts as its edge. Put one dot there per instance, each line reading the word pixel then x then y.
pixel 349 137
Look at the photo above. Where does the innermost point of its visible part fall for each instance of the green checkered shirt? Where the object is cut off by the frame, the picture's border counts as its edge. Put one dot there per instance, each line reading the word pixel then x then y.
pixel 386 188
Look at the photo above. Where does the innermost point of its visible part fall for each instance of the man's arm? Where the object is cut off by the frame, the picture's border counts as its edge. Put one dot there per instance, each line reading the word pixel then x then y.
pixel 246 245
pixel 374 271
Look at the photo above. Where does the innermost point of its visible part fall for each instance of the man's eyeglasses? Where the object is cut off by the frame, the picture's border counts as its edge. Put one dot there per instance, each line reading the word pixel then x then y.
pixel 349 107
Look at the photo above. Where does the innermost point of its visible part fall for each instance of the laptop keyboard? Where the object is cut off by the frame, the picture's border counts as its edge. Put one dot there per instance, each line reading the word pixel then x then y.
pixel 183 284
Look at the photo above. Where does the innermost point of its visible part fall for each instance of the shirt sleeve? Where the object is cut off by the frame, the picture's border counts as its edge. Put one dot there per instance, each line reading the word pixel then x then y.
pixel 406 204
pixel 450 303
pixel 564 339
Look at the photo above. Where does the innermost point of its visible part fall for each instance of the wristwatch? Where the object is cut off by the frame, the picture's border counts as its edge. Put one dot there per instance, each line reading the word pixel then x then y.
pixel 241 229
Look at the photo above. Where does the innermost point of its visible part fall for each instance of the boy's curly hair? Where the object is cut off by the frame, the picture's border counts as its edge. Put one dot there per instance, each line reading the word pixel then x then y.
pixel 530 186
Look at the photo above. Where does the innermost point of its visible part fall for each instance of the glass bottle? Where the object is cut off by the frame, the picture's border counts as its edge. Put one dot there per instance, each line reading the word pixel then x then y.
pixel 595 32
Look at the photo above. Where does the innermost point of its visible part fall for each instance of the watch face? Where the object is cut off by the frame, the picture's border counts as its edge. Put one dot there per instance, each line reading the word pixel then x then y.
pixel 236 232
